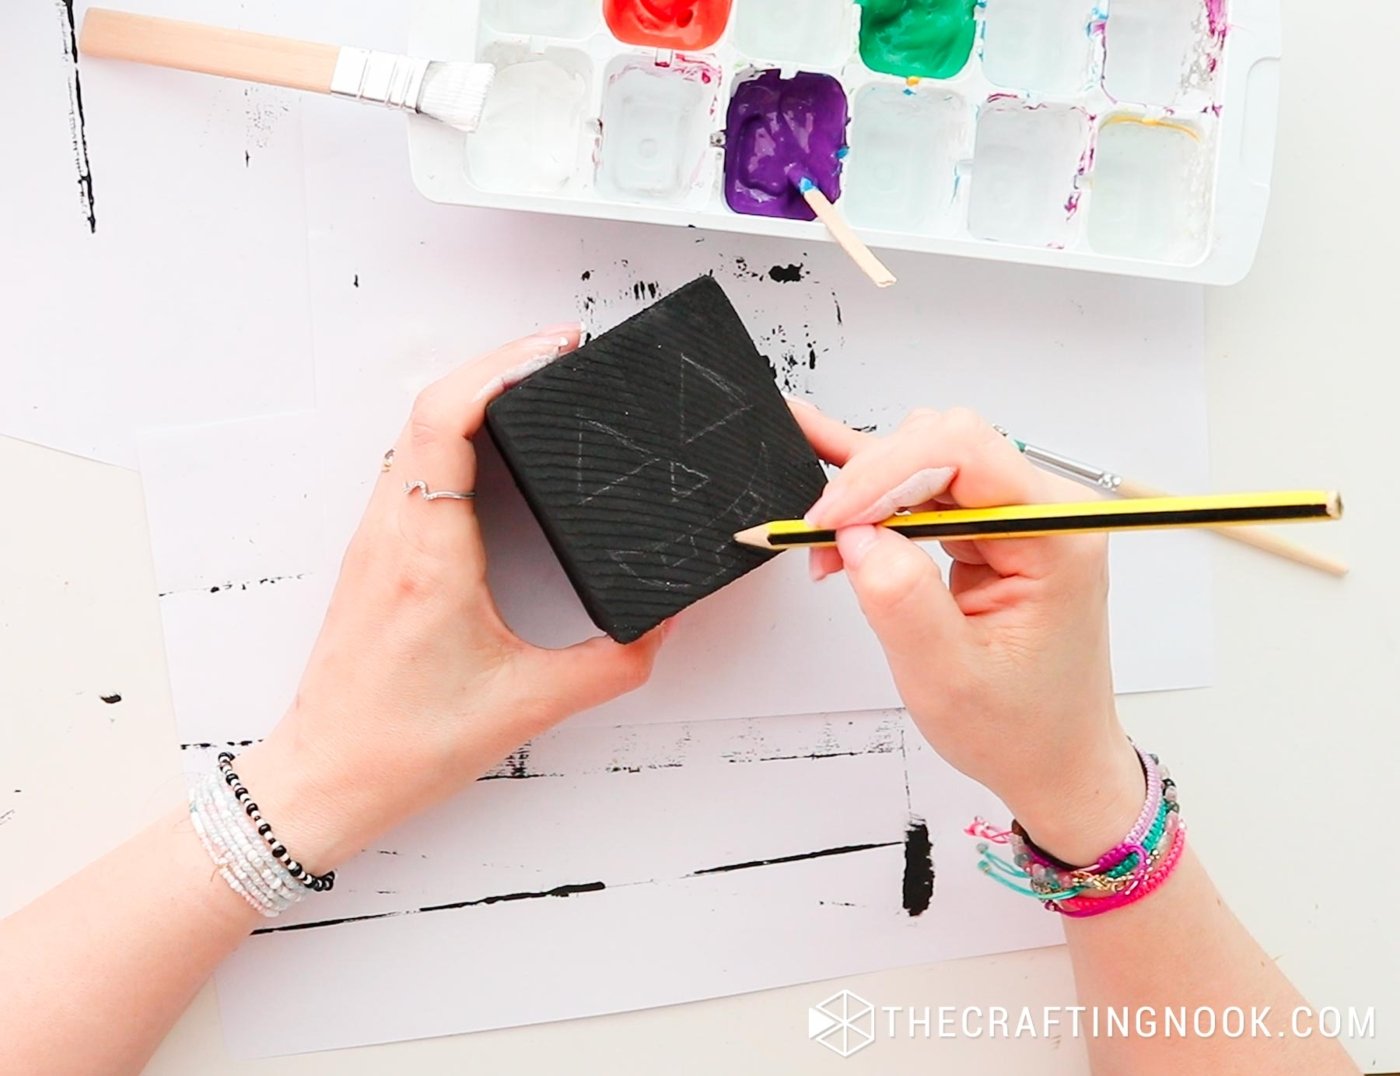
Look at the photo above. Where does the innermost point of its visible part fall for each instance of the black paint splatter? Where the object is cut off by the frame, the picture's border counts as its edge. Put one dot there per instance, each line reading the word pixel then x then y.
pixel 247 157
pixel 357 280
pixel 265 582
pixel 786 274
pixel 842 850
pixel 918 868
pixel 587 275
pixel 210 746
pixel 77 121
pixel 499 898
pixel 110 700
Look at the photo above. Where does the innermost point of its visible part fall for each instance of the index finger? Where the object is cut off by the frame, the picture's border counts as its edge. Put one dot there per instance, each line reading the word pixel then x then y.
pixel 987 468
pixel 455 405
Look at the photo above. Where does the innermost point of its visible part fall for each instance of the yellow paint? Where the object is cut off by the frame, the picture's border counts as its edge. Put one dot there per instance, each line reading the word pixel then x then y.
pixel 1144 121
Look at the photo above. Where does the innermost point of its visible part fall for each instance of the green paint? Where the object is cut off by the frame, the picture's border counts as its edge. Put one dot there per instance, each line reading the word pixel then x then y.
pixel 918 38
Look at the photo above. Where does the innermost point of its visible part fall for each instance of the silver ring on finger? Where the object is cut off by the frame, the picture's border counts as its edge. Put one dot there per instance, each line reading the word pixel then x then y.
pixel 439 494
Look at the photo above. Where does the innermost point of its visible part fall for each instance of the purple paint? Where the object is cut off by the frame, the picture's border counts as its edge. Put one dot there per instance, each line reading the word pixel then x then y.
pixel 778 132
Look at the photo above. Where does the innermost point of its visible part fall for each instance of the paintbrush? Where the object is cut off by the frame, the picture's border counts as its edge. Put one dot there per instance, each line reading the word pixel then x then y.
pixel 844 235
pixel 1124 487
pixel 452 92
pixel 1034 520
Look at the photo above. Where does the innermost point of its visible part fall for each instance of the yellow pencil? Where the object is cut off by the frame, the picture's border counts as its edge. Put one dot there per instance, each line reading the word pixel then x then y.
pixel 1032 520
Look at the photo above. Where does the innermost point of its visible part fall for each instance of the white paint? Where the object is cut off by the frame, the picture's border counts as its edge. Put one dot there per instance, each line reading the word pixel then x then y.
pixel 656 125
pixel 1038 45
pixel 1023 172
pixel 545 18
pixel 901 172
pixel 1149 46
pixel 531 136
pixel 810 33
pixel 1148 197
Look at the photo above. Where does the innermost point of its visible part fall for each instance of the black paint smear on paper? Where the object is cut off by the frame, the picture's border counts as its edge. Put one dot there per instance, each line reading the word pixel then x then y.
pixel 110 699
pixel 518 761
pixel 357 280
pixel 77 121
pixel 918 868
pixel 786 274
pixel 844 849
pixel 499 898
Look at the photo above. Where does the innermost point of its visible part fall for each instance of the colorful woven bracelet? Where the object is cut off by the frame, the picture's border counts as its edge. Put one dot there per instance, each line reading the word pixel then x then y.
pixel 1127 872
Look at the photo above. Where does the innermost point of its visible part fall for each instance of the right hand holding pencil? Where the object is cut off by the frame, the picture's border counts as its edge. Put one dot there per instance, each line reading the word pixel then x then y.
pixel 1005 666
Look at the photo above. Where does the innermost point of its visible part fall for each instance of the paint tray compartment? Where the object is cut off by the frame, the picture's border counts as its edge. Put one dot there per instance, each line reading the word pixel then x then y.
pixel 1134 137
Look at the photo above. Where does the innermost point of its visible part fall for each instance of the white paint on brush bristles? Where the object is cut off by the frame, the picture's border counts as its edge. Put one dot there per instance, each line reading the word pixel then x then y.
pixel 454 92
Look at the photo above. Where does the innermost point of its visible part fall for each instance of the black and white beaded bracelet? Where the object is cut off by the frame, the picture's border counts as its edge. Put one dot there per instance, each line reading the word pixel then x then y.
pixel 317 883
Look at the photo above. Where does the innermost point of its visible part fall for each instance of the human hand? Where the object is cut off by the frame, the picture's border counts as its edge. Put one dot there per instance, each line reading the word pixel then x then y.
pixel 1005 669
pixel 415 686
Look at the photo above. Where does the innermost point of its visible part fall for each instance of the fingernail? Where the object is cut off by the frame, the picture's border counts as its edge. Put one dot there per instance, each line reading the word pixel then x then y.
pixel 855 543
pixel 919 487
pixel 790 398
pixel 814 568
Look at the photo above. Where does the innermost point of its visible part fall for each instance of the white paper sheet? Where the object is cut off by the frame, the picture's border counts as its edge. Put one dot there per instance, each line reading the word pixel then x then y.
pixel 641 809
pixel 184 298
pixel 455 912
pixel 1111 369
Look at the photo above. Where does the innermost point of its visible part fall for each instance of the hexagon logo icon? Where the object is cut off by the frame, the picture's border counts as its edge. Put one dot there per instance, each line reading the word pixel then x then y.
pixel 844 1023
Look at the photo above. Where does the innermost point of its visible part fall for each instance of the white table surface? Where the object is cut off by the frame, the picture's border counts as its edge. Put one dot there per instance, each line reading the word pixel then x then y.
pixel 1286 764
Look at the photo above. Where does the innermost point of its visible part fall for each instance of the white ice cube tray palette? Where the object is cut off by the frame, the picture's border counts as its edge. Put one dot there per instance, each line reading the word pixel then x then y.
pixel 1124 136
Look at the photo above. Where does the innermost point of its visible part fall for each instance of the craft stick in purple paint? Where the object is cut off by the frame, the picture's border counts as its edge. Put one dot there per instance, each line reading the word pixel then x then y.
pixel 778 132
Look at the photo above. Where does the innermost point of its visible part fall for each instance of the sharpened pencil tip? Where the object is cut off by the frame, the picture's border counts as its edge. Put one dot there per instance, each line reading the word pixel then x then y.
pixel 754 536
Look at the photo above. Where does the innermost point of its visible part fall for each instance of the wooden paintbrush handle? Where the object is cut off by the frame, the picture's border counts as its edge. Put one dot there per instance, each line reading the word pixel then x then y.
pixel 1262 540
pixel 210 50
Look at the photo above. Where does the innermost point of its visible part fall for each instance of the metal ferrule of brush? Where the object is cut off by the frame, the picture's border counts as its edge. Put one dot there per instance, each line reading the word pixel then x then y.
pixel 383 78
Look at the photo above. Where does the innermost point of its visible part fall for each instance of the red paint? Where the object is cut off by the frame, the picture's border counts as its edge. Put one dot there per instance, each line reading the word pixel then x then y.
pixel 667 24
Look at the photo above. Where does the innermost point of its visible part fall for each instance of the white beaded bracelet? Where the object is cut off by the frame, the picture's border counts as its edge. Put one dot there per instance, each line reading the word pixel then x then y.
pixel 243 855
pixel 245 863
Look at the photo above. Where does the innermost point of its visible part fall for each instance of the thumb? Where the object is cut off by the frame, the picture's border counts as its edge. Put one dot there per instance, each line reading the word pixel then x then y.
pixel 902 594
pixel 590 673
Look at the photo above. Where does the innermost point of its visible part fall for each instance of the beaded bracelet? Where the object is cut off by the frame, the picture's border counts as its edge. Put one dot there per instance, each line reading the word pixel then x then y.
pixel 250 859
pixel 316 883
pixel 1127 872
pixel 247 870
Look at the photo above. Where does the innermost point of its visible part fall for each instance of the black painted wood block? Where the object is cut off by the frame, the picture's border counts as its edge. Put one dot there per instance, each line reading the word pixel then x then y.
pixel 642 452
